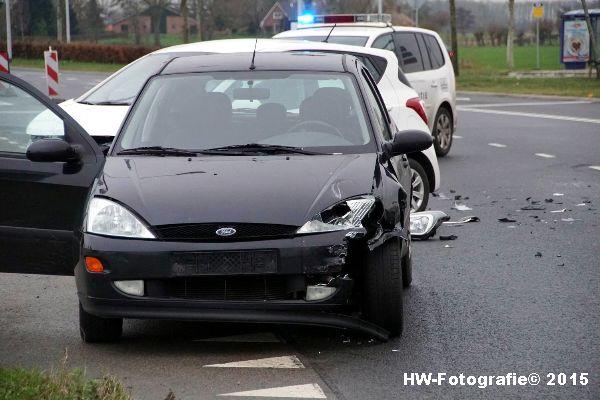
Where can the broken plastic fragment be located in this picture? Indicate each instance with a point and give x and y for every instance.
(562, 210)
(548, 200)
(580, 205)
(568, 219)
(448, 237)
(461, 207)
(448, 246)
(533, 208)
(442, 196)
(505, 219)
(538, 254)
(464, 220)
(558, 194)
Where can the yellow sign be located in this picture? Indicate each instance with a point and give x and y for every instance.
(537, 11)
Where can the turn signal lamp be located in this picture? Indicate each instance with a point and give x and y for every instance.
(92, 264)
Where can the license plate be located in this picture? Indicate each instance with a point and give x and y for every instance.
(225, 263)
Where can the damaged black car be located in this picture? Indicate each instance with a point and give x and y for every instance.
(268, 188)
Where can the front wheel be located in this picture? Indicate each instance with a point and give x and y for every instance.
(420, 186)
(95, 329)
(442, 132)
(382, 297)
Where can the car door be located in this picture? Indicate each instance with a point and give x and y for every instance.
(41, 203)
(416, 65)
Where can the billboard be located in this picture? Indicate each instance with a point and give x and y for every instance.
(576, 45)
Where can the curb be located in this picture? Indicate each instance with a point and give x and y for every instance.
(525, 95)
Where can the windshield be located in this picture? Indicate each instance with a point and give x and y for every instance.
(349, 40)
(317, 111)
(122, 88)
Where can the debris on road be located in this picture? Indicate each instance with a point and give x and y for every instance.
(461, 207)
(548, 200)
(464, 220)
(505, 219)
(568, 219)
(558, 194)
(448, 237)
(562, 210)
(448, 246)
(533, 208)
(538, 254)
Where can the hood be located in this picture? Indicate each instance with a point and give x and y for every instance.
(96, 120)
(285, 190)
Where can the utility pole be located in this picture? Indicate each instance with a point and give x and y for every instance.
(380, 7)
(593, 55)
(8, 30)
(67, 21)
(510, 36)
(453, 36)
(59, 19)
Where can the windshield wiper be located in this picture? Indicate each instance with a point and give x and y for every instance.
(118, 102)
(265, 148)
(158, 151)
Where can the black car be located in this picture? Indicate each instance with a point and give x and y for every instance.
(253, 188)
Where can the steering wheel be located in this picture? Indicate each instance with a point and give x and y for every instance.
(319, 124)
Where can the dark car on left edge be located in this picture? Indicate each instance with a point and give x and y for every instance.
(244, 188)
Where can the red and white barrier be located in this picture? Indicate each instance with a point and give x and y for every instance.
(51, 60)
(4, 64)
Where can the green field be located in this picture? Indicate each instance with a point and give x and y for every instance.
(485, 69)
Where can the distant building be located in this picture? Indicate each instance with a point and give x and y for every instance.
(279, 17)
(170, 23)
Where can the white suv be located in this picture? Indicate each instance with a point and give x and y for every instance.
(422, 56)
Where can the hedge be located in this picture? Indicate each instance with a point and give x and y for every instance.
(87, 52)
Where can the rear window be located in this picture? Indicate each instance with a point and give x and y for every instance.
(126, 84)
(349, 40)
(435, 53)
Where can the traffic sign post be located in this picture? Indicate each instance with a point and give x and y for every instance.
(51, 60)
(537, 13)
(8, 30)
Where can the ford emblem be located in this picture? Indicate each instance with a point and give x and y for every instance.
(226, 231)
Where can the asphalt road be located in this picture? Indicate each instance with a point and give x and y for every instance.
(504, 297)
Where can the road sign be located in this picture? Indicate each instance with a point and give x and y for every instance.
(537, 11)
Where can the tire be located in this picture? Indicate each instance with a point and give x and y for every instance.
(419, 197)
(443, 132)
(382, 295)
(94, 329)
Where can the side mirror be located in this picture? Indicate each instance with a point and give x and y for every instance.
(52, 150)
(405, 142)
(424, 224)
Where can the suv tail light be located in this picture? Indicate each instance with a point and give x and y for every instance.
(417, 104)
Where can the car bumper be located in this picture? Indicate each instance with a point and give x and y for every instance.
(300, 261)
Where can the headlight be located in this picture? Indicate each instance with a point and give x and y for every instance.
(345, 215)
(106, 217)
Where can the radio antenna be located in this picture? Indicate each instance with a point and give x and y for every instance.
(252, 67)
(329, 34)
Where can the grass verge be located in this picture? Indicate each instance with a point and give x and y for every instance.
(484, 69)
(58, 384)
(66, 65)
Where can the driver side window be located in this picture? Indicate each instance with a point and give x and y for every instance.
(24, 119)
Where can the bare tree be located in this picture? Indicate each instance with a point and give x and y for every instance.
(132, 9)
(593, 49)
(510, 37)
(453, 36)
(157, 9)
(183, 8)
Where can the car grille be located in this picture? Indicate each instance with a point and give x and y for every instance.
(240, 288)
(207, 232)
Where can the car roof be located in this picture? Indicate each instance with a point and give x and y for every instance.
(349, 29)
(330, 62)
(225, 46)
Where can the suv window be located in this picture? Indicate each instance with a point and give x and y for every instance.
(435, 53)
(424, 52)
(408, 52)
(385, 42)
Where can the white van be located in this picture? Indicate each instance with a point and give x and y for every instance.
(421, 54)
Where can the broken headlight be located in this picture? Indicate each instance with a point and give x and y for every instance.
(345, 215)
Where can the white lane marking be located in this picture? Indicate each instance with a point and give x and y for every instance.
(260, 337)
(463, 99)
(532, 115)
(544, 155)
(308, 391)
(596, 167)
(496, 145)
(536, 103)
(72, 79)
(287, 362)
(457, 137)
